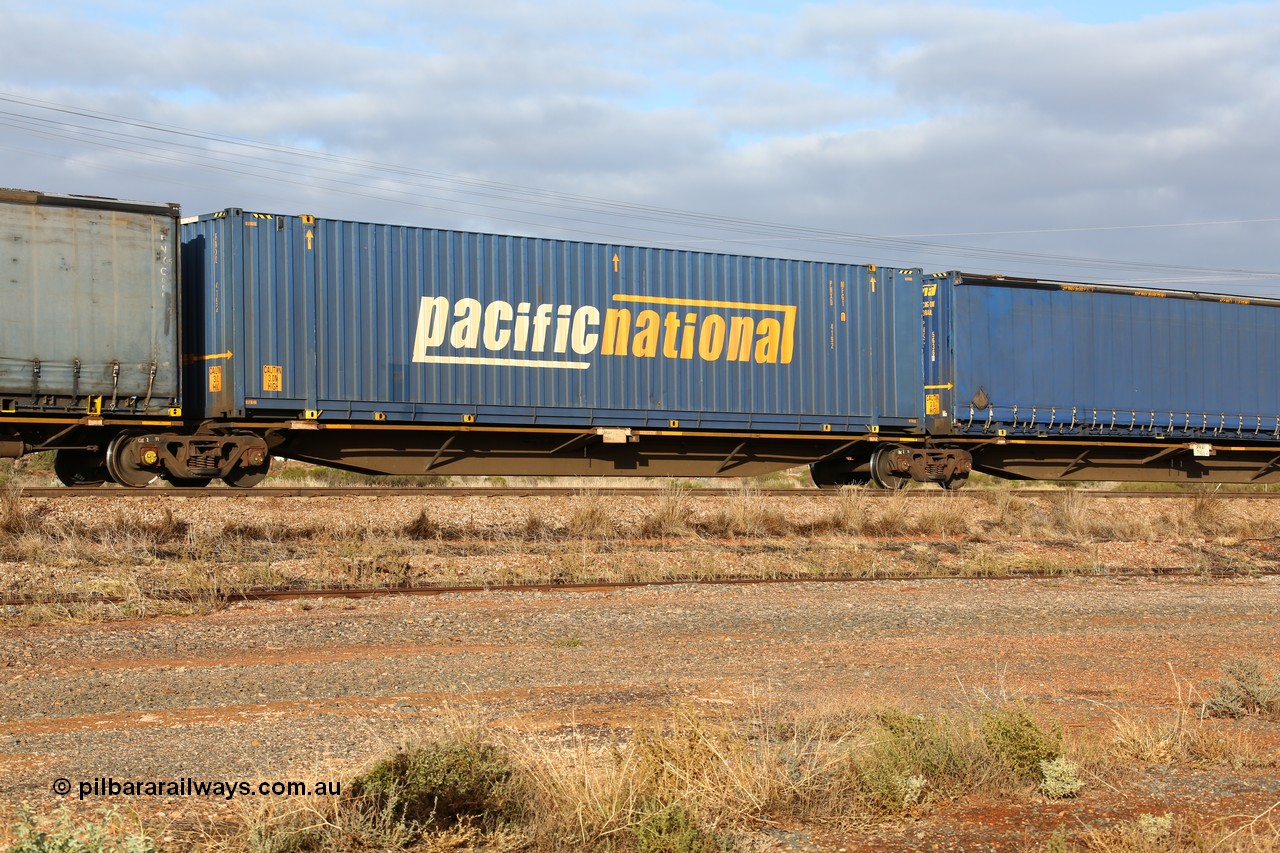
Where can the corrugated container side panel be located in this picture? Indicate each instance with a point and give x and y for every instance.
(210, 298)
(896, 344)
(341, 312)
(1150, 360)
(96, 286)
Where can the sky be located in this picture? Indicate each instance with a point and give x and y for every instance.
(1099, 141)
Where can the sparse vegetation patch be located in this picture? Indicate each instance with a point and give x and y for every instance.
(1249, 687)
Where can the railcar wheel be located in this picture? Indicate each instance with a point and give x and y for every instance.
(247, 476)
(124, 464)
(955, 483)
(80, 467)
(882, 475)
(187, 482)
(828, 476)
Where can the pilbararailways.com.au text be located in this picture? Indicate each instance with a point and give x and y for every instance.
(187, 787)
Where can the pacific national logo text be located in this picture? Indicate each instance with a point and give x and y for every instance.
(557, 336)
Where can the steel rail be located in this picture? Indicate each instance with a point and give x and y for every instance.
(294, 593)
(611, 491)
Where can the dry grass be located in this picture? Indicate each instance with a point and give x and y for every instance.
(1183, 737)
(747, 513)
(1173, 833)
(698, 782)
(1073, 514)
(1179, 739)
(590, 516)
(56, 549)
(858, 514)
(1206, 514)
(707, 781)
(672, 516)
(16, 517)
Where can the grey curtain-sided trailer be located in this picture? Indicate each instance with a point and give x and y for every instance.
(90, 305)
(89, 323)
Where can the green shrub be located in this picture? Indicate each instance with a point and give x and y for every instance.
(1019, 742)
(672, 830)
(62, 834)
(910, 757)
(1060, 778)
(440, 783)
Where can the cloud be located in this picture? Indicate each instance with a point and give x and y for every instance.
(858, 118)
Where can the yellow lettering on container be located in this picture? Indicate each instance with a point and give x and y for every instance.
(648, 328)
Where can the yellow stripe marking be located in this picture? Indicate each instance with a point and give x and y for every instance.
(192, 359)
(703, 303)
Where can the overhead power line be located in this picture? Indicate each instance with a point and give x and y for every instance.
(513, 203)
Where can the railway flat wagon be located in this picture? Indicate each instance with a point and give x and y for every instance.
(1058, 380)
(394, 349)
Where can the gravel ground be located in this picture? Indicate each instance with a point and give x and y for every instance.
(315, 690)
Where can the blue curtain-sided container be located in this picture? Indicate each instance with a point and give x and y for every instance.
(1051, 358)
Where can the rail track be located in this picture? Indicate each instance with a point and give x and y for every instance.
(225, 597)
(561, 491)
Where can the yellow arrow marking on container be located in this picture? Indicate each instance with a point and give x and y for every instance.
(616, 259)
(310, 239)
(192, 359)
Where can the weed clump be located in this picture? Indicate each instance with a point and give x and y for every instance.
(591, 516)
(1060, 778)
(671, 829)
(910, 757)
(1249, 687)
(439, 784)
(16, 519)
(423, 527)
(748, 513)
(671, 517)
(62, 833)
(1020, 743)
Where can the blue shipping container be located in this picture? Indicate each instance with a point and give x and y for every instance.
(358, 322)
